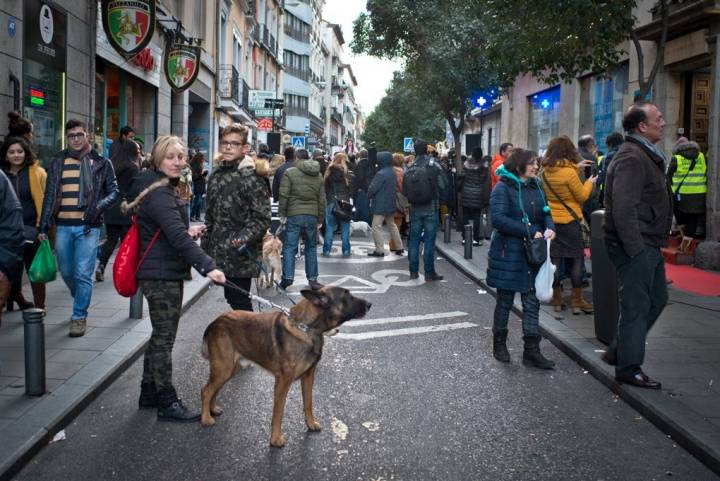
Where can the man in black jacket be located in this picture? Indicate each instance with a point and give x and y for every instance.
(364, 173)
(638, 219)
(80, 186)
(12, 238)
(289, 154)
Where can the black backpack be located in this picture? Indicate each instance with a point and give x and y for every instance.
(420, 185)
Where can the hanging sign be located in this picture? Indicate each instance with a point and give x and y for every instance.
(182, 65)
(129, 24)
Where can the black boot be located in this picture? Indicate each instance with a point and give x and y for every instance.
(100, 272)
(500, 351)
(532, 355)
(148, 396)
(170, 408)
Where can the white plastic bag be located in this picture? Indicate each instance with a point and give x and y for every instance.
(544, 279)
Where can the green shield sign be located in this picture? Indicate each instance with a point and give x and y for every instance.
(182, 65)
(129, 24)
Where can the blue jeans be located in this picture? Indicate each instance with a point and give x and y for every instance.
(196, 206)
(330, 222)
(531, 311)
(422, 227)
(76, 253)
(295, 227)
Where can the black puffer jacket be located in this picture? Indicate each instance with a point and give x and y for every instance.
(158, 207)
(474, 184)
(125, 173)
(12, 233)
(335, 185)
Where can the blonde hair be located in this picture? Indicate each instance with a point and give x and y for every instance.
(398, 160)
(161, 146)
(339, 160)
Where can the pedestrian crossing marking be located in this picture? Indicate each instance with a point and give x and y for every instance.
(390, 320)
(361, 336)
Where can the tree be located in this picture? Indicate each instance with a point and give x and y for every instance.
(401, 113)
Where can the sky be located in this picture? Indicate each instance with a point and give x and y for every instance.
(373, 75)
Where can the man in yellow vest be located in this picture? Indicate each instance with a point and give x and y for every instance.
(688, 177)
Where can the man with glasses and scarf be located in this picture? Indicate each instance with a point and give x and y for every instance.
(80, 186)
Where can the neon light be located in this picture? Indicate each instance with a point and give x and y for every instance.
(37, 101)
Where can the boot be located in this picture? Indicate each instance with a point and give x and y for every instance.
(16, 296)
(5, 288)
(579, 304)
(557, 300)
(170, 408)
(500, 351)
(100, 272)
(532, 355)
(38, 291)
(148, 396)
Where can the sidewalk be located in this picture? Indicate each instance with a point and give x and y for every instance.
(77, 369)
(683, 352)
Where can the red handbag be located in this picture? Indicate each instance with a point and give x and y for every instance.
(128, 260)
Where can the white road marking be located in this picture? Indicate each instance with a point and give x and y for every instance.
(361, 336)
(419, 317)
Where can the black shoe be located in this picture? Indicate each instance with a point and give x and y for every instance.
(148, 396)
(532, 355)
(177, 413)
(399, 252)
(315, 285)
(285, 283)
(639, 379)
(414, 275)
(609, 358)
(433, 277)
(376, 254)
(500, 350)
(100, 273)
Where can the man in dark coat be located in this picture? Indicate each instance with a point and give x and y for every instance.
(381, 193)
(12, 238)
(638, 219)
(289, 154)
(364, 173)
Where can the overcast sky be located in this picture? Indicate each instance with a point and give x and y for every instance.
(373, 75)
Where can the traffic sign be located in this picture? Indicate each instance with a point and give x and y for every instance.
(408, 144)
(298, 142)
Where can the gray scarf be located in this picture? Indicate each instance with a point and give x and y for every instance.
(649, 146)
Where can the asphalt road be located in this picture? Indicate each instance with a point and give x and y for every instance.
(412, 399)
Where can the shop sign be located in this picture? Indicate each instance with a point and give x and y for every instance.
(129, 24)
(145, 60)
(182, 65)
(256, 99)
(265, 124)
(45, 34)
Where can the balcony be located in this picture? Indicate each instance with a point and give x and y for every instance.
(302, 74)
(317, 122)
(296, 112)
(296, 34)
(233, 92)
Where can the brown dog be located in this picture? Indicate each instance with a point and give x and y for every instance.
(271, 260)
(288, 347)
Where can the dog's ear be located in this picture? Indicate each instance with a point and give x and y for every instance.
(318, 298)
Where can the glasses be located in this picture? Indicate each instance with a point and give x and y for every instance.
(76, 136)
(235, 145)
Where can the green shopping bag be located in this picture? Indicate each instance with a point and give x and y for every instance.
(43, 267)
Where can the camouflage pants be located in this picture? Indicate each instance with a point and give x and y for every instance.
(164, 302)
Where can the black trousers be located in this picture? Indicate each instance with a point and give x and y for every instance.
(474, 215)
(115, 233)
(237, 300)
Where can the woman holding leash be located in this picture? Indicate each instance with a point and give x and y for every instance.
(168, 244)
(337, 186)
(518, 211)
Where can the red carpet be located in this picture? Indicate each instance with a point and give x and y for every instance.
(693, 280)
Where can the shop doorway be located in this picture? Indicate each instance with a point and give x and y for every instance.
(696, 112)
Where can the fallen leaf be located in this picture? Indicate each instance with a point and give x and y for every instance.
(340, 430)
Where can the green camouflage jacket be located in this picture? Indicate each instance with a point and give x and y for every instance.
(237, 207)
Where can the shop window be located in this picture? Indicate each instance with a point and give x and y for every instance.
(601, 104)
(543, 118)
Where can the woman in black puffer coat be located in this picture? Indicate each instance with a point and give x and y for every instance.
(474, 187)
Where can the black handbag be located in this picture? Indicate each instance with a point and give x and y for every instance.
(536, 250)
(342, 209)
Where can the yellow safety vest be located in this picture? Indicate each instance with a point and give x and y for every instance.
(695, 180)
(600, 160)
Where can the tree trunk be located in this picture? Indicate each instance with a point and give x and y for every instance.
(457, 131)
(646, 85)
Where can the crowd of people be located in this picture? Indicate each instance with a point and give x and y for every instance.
(511, 199)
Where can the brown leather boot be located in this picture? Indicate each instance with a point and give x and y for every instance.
(579, 304)
(38, 291)
(5, 288)
(557, 300)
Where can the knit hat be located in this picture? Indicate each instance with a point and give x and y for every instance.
(681, 140)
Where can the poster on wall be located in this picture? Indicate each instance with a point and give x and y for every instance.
(181, 65)
(129, 24)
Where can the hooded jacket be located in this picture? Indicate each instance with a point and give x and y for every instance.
(688, 203)
(474, 184)
(302, 191)
(12, 233)
(383, 187)
(238, 208)
(508, 267)
(335, 185)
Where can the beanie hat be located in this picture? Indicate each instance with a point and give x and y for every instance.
(681, 140)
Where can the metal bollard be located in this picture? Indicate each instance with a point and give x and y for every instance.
(447, 235)
(468, 241)
(34, 352)
(136, 305)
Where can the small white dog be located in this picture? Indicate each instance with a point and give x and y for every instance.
(359, 226)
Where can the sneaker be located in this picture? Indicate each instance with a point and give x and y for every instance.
(77, 327)
(285, 283)
(433, 277)
(315, 285)
(177, 413)
(100, 273)
(463, 242)
(376, 254)
(477, 243)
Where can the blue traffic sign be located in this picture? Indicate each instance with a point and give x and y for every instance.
(298, 142)
(408, 144)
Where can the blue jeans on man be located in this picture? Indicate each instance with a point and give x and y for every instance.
(330, 222)
(76, 248)
(297, 226)
(423, 226)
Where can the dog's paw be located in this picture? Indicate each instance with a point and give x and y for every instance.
(277, 441)
(313, 425)
(216, 410)
(209, 421)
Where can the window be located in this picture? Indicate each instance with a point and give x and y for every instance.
(544, 118)
(296, 28)
(296, 105)
(297, 65)
(601, 104)
(237, 51)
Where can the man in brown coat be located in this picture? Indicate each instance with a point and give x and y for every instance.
(638, 219)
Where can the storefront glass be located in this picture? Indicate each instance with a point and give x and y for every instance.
(44, 106)
(601, 104)
(544, 118)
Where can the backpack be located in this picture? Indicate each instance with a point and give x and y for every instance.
(420, 185)
(128, 260)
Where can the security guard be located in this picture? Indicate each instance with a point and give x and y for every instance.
(688, 175)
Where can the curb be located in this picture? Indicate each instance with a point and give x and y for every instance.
(138, 341)
(641, 402)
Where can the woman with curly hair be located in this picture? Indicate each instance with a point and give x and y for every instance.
(337, 186)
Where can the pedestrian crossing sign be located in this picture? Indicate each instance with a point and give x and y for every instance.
(298, 142)
(408, 144)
